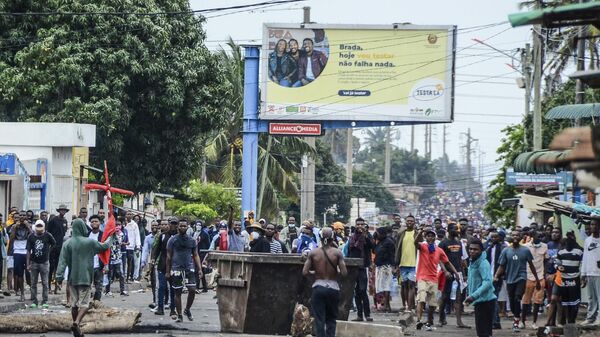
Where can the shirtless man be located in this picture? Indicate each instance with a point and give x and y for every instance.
(325, 263)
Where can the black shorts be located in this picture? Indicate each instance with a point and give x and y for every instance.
(179, 278)
(570, 292)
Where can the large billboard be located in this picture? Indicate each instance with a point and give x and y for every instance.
(400, 73)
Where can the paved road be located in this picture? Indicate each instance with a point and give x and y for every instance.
(206, 320)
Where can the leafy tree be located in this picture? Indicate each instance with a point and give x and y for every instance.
(334, 193)
(214, 196)
(367, 185)
(200, 211)
(147, 82)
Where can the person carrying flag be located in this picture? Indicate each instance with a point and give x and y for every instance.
(78, 254)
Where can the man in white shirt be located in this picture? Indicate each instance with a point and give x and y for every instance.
(133, 247)
(590, 272)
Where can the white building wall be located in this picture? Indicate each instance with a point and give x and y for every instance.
(63, 185)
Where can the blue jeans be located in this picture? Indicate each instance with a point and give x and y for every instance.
(324, 302)
(162, 287)
(285, 83)
(496, 317)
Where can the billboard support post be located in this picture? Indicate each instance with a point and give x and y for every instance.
(251, 130)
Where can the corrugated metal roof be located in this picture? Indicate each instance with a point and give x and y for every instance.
(574, 111)
(526, 162)
(568, 15)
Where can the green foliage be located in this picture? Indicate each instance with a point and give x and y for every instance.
(199, 211)
(175, 204)
(215, 196)
(367, 185)
(336, 194)
(513, 145)
(147, 82)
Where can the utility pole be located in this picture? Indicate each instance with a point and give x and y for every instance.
(538, 58)
(526, 70)
(412, 138)
(388, 152)
(307, 200)
(430, 134)
(349, 156)
(444, 159)
(426, 140)
(468, 152)
(579, 86)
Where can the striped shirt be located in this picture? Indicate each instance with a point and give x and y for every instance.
(571, 261)
(276, 247)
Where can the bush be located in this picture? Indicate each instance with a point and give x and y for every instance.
(200, 211)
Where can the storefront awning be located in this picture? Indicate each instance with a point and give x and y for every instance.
(532, 162)
(568, 15)
(574, 111)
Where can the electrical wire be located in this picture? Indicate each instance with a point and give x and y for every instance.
(198, 11)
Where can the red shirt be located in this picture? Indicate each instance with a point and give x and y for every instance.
(428, 262)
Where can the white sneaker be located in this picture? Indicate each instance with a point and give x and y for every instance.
(136, 281)
(534, 326)
(521, 325)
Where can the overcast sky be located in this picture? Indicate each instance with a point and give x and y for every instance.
(486, 106)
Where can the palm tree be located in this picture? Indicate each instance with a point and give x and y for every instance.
(276, 163)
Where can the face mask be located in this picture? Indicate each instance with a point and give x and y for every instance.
(537, 242)
(431, 247)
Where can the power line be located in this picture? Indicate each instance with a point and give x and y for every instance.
(198, 11)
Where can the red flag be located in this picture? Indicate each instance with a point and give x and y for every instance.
(109, 229)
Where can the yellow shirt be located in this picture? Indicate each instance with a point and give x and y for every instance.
(409, 252)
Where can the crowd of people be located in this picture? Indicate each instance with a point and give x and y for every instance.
(445, 204)
(438, 267)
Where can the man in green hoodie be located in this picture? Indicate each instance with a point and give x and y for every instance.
(481, 289)
(78, 254)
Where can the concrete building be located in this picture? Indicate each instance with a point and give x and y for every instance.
(50, 155)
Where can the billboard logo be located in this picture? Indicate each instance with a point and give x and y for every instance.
(432, 38)
(428, 92)
(295, 129)
(430, 111)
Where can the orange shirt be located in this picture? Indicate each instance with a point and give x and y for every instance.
(428, 263)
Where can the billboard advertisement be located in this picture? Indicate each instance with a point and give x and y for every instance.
(400, 73)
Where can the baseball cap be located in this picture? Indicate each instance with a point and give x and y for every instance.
(40, 223)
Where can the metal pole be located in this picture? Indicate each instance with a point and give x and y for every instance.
(412, 138)
(579, 86)
(388, 153)
(250, 130)
(537, 83)
(263, 177)
(307, 198)
(349, 156)
(526, 68)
